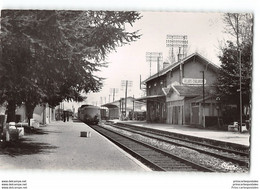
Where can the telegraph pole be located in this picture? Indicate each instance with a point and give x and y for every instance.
(179, 41)
(126, 84)
(114, 94)
(203, 87)
(126, 95)
(240, 74)
(203, 99)
(113, 91)
(240, 90)
(133, 116)
(154, 57)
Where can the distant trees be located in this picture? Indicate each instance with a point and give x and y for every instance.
(49, 56)
(240, 26)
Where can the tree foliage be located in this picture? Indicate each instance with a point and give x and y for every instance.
(49, 56)
(240, 26)
(228, 77)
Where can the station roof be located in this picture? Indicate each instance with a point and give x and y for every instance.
(200, 99)
(192, 91)
(176, 64)
(186, 91)
(153, 97)
(116, 104)
(110, 105)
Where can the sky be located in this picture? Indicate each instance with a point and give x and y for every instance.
(205, 31)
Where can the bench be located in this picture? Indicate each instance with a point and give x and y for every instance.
(235, 125)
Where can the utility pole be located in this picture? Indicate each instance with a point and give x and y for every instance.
(126, 84)
(133, 107)
(240, 73)
(120, 112)
(203, 99)
(133, 103)
(179, 41)
(240, 90)
(114, 94)
(113, 91)
(126, 95)
(158, 65)
(140, 82)
(154, 57)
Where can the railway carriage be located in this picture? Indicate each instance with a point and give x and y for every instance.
(89, 114)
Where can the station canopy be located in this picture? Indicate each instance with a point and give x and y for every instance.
(152, 98)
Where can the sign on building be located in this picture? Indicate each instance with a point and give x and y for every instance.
(192, 81)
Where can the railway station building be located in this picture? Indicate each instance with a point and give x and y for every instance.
(183, 93)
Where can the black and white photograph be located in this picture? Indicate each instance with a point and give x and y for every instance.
(129, 95)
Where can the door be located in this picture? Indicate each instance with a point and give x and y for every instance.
(195, 114)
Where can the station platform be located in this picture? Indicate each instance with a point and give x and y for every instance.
(224, 136)
(60, 146)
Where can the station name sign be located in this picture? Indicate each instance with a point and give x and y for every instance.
(192, 81)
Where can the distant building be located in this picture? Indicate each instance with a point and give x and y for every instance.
(116, 109)
(42, 113)
(175, 94)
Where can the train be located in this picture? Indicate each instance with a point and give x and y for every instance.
(89, 114)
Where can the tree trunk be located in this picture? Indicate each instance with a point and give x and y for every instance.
(29, 111)
(11, 107)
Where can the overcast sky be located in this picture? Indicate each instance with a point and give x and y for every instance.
(203, 28)
(204, 31)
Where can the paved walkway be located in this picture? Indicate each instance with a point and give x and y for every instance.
(59, 146)
(226, 136)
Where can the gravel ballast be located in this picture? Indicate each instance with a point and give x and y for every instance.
(192, 155)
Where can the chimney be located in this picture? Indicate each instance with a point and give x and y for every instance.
(165, 64)
(180, 56)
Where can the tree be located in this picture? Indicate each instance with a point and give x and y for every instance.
(236, 57)
(53, 55)
(240, 27)
(228, 77)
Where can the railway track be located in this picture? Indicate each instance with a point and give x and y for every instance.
(235, 156)
(155, 158)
